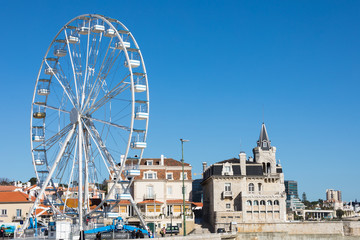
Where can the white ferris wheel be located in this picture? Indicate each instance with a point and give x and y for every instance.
(89, 117)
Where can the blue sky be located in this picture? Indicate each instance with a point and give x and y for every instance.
(213, 67)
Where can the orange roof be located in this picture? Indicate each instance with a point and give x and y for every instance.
(31, 187)
(198, 204)
(13, 197)
(121, 202)
(176, 201)
(150, 201)
(9, 188)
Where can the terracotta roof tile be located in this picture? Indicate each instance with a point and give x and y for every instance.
(172, 201)
(9, 188)
(150, 201)
(14, 197)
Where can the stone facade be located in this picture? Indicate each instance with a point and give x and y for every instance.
(245, 190)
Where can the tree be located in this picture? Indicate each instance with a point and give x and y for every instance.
(33, 180)
(339, 213)
(5, 181)
(304, 198)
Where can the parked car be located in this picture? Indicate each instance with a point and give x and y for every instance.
(172, 230)
(9, 230)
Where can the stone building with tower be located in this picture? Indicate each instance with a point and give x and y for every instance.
(245, 189)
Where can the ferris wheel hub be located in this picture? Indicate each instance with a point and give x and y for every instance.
(74, 115)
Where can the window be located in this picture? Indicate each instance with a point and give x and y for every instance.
(169, 190)
(268, 202)
(169, 210)
(149, 192)
(259, 187)
(248, 202)
(227, 169)
(264, 144)
(3, 211)
(256, 203)
(262, 202)
(149, 162)
(251, 187)
(228, 205)
(169, 176)
(18, 212)
(150, 175)
(185, 176)
(276, 202)
(227, 187)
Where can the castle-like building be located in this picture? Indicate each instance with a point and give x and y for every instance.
(245, 190)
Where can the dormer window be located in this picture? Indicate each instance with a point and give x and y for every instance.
(264, 144)
(169, 176)
(149, 162)
(150, 175)
(227, 169)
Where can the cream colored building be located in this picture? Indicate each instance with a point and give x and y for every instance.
(14, 206)
(157, 192)
(245, 190)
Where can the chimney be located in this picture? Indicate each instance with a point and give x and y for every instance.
(162, 160)
(204, 166)
(242, 157)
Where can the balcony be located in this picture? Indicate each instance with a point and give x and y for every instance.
(149, 196)
(17, 218)
(227, 194)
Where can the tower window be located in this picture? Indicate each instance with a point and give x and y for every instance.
(251, 187)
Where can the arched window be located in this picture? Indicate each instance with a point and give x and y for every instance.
(251, 187)
(268, 168)
(256, 203)
(262, 202)
(248, 202)
(276, 202)
(269, 202)
(259, 187)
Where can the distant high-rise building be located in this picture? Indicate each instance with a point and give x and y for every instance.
(333, 195)
(333, 199)
(293, 203)
(291, 189)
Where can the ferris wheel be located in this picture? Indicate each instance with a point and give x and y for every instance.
(89, 117)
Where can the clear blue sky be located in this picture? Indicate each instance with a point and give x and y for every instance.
(213, 66)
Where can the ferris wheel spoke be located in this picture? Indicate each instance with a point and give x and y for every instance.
(108, 123)
(119, 88)
(98, 79)
(65, 89)
(86, 66)
(73, 68)
(56, 109)
(51, 172)
(53, 139)
(104, 153)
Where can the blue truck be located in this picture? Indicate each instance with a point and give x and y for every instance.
(118, 225)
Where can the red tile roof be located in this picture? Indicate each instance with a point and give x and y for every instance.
(9, 188)
(198, 204)
(174, 201)
(12, 197)
(121, 202)
(150, 201)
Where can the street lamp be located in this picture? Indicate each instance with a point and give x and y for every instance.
(183, 181)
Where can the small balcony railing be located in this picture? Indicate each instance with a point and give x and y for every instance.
(149, 196)
(227, 194)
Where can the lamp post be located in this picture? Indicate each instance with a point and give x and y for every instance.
(183, 181)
